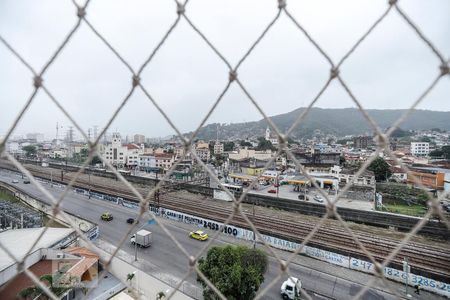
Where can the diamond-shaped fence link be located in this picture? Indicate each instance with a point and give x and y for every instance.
(181, 12)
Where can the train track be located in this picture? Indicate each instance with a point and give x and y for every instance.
(423, 258)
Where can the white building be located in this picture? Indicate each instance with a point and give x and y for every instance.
(147, 162)
(420, 148)
(115, 153)
(133, 152)
(274, 141)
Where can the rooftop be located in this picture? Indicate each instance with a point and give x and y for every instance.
(19, 241)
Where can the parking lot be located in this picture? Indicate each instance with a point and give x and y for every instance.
(312, 195)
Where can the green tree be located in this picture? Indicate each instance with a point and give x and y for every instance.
(30, 150)
(228, 146)
(95, 160)
(264, 144)
(245, 144)
(399, 133)
(236, 271)
(446, 151)
(437, 153)
(381, 169)
(53, 283)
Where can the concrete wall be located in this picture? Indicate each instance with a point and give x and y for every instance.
(82, 224)
(146, 285)
(11, 271)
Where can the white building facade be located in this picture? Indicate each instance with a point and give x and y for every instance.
(420, 148)
(115, 153)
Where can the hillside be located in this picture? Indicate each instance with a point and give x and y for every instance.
(340, 122)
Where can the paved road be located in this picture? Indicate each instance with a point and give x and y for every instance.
(168, 262)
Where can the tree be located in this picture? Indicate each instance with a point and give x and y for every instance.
(236, 271)
(437, 153)
(381, 169)
(446, 151)
(245, 144)
(399, 133)
(53, 283)
(95, 160)
(30, 150)
(228, 146)
(264, 145)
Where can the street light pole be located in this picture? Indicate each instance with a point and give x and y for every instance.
(254, 234)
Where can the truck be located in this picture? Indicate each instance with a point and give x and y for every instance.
(290, 289)
(142, 238)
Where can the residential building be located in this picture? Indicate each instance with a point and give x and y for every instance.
(147, 162)
(398, 175)
(250, 153)
(133, 152)
(164, 161)
(218, 148)
(420, 148)
(203, 153)
(139, 139)
(362, 142)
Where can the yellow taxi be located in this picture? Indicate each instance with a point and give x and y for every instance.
(198, 235)
(106, 216)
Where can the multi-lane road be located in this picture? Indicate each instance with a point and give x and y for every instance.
(167, 262)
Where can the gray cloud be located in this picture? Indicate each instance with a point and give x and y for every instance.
(389, 70)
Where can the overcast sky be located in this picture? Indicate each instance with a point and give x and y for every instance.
(389, 70)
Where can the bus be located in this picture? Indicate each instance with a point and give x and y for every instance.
(233, 188)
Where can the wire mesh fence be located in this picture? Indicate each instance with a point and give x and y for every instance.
(281, 10)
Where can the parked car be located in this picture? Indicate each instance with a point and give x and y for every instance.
(26, 181)
(303, 197)
(276, 185)
(198, 235)
(131, 221)
(318, 198)
(272, 191)
(15, 181)
(106, 216)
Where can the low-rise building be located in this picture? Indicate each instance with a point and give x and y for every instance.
(164, 161)
(430, 177)
(147, 162)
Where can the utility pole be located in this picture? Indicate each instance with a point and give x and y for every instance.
(254, 233)
(407, 270)
(89, 174)
(135, 247)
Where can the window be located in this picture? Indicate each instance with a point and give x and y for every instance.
(289, 288)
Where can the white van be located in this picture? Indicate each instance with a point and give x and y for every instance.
(290, 289)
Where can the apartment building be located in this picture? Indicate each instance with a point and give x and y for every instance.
(420, 148)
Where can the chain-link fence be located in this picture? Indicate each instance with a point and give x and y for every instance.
(182, 12)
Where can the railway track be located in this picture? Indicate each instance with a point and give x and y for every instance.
(423, 258)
